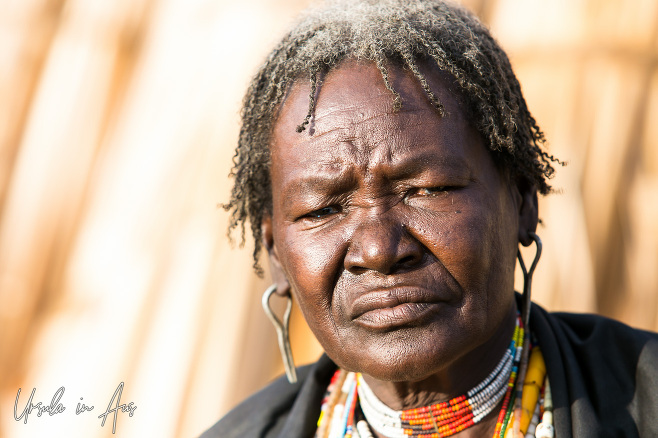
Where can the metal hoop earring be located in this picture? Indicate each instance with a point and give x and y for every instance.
(281, 332)
(527, 279)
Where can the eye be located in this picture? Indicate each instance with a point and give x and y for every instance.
(429, 191)
(322, 213)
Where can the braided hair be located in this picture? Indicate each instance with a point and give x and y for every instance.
(386, 32)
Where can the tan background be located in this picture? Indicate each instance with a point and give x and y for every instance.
(117, 123)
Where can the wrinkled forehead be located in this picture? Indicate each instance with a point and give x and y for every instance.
(353, 86)
(353, 104)
(355, 120)
(356, 126)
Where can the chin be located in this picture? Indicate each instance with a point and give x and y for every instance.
(402, 359)
(414, 372)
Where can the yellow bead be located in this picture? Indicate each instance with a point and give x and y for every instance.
(532, 386)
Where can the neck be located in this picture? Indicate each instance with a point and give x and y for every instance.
(454, 380)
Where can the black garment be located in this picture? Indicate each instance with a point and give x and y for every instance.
(603, 374)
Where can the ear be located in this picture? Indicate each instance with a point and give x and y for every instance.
(528, 211)
(276, 270)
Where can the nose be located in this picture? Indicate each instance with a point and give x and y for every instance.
(382, 243)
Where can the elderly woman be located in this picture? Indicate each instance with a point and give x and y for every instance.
(389, 166)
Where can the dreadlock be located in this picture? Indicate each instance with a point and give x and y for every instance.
(398, 32)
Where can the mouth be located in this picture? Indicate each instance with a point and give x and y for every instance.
(389, 308)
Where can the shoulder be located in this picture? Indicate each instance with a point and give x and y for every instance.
(598, 332)
(604, 374)
(266, 413)
(598, 345)
(261, 412)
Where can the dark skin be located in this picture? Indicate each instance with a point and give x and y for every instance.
(397, 235)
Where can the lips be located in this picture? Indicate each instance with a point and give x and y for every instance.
(394, 307)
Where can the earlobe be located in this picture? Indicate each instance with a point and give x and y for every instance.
(528, 212)
(276, 269)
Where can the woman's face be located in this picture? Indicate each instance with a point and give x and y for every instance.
(396, 231)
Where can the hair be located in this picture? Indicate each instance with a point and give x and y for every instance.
(386, 32)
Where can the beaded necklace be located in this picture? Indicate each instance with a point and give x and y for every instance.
(350, 408)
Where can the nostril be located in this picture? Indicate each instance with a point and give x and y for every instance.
(357, 270)
(408, 261)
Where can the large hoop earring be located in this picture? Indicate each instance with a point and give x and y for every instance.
(282, 332)
(527, 279)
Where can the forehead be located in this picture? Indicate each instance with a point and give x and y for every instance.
(354, 111)
(351, 79)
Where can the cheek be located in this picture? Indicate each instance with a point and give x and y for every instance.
(312, 260)
(473, 243)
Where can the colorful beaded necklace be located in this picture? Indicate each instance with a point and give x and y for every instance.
(350, 408)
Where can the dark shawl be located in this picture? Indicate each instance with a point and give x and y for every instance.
(604, 380)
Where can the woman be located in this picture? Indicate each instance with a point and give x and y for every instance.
(388, 164)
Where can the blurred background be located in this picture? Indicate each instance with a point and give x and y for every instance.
(118, 120)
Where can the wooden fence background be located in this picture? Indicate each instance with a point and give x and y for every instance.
(118, 120)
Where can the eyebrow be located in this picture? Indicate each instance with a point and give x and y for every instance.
(320, 182)
(418, 164)
(336, 179)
